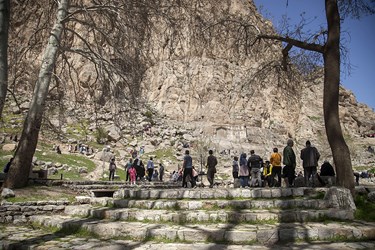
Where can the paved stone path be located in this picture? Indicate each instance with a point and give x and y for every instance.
(23, 237)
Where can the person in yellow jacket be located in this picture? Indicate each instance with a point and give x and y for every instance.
(267, 174)
(275, 161)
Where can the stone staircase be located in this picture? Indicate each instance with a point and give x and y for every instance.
(220, 215)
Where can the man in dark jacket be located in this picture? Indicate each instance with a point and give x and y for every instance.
(211, 168)
(310, 157)
(289, 161)
(255, 163)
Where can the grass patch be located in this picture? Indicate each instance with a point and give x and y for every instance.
(42, 193)
(365, 209)
(318, 196)
(315, 118)
(74, 161)
(165, 153)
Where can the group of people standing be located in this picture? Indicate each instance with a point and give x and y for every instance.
(135, 170)
(249, 170)
(252, 171)
(189, 173)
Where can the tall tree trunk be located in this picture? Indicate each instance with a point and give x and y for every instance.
(4, 27)
(340, 151)
(20, 169)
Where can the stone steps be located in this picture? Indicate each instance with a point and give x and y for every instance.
(221, 232)
(258, 216)
(219, 204)
(24, 237)
(220, 193)
(219, 215)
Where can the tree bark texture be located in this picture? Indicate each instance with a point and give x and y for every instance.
(4, 27)
(340, 150)
(18, 174)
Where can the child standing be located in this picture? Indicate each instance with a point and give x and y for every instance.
(133, 174)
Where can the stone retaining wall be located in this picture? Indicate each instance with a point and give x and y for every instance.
(19, 212)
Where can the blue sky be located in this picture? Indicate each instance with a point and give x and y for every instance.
(359, 34)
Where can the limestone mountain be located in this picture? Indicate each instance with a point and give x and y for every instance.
(197, 67)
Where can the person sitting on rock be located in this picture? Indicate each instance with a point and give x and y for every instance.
(326, 170)
(7, 166)
(155, 175)
(267, 174)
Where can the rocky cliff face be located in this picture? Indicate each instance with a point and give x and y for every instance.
(243, 101)
(207, 81)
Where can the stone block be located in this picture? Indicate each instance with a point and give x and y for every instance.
(240, 236)
(276, 192)
(298, 191)
(337, 197)
(266, 193)
(143, 194)
(221, 193)
(83, 199)
(286, 192)
(246, 193)
(268, 236)
(121, 203)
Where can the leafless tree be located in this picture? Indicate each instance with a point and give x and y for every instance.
(19, 174)
(4, 26)
(327, 43)
(108, 34)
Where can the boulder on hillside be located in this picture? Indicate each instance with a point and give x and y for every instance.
(371, 196)
(133, 143)
(113, 133)
(104, 156)
(149, 148)
(25, 105)
(188, 137)
(52, 171)
(82, 170)
(339, 197)
(9, 147)
(7, 193)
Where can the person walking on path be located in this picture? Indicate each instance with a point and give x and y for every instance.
(275, 161)
(310, 157)
(112, 169)
(255, 163)
(211, 168)
(289, 161)
(150, 169)
(187, 167)
(161, 172)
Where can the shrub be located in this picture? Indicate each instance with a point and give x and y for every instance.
(101, 135)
